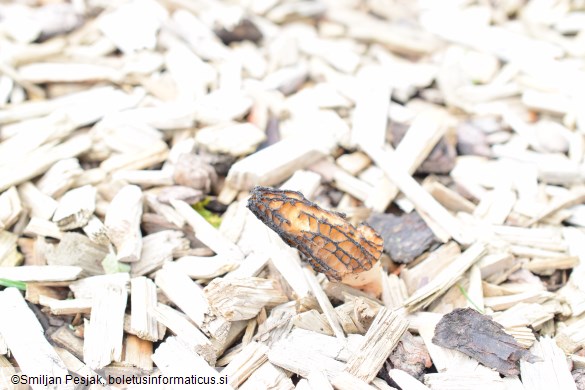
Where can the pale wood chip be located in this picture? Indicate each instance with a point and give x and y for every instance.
(268, 376)
(550, 373)
(87, 287)
(36, 273)
(40, 205)
(185, 330)
(9, 255)
(313, 321)
(38, 161)
(75, 208)
(446, 278)
(250, 359)
(239, 299)
(207, 233)
(43, 228)
(137, 353)
(175, 359)
(123, 223)
(275, 163)
(379, 342)
(157, 249)
(103, 333)
(67, 306)
(298, 359)
(198, 267)
(189, 297)
(426, 205)
(24, 336)
(142, 299)
(325, 304)
(346, 381)
(10, 208)
(236, 139)
(405, 380)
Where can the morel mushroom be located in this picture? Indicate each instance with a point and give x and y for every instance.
(332, 245)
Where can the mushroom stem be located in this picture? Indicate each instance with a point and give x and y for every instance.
(369, 281)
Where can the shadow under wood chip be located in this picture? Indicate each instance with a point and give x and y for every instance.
(483, 339)
(405, 237)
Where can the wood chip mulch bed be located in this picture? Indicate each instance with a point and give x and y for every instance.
(279, 194)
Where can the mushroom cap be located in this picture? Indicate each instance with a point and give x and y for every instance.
(332, 245)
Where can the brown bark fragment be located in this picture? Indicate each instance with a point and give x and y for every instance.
(405, 237)
(245, 30)
(481, 338)
(410, 356)
(192, 171)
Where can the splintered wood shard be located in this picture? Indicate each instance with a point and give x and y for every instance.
(189, 297)
(481, 338)
(104, 332)
(185, 330)
(379, 342)
(123, 223)
(239, 299)
(550, 372)
(332, 245)
(24, 336)
(75, 208)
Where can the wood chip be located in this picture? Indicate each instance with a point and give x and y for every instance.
(207, 233)
(34, 273)
(410, 357)
(123, 223)
(75, 208)
(185, 330)
(41, 205)
(425, 203)
(551, 371)
(103, 333)
(326, 306)
(379, 342)
(175, 359)
(251, 358)
(38, 161)
(242, 299)
(157, 249)
(143, 299)
(11, 208)
(273, 164)
(9, 255)
(302, 362)
(75, 249)
(189, 297)
(467, 157)
(446, 278)
(268, 375)
(231, 138)
(35, 356)
(67, 306)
